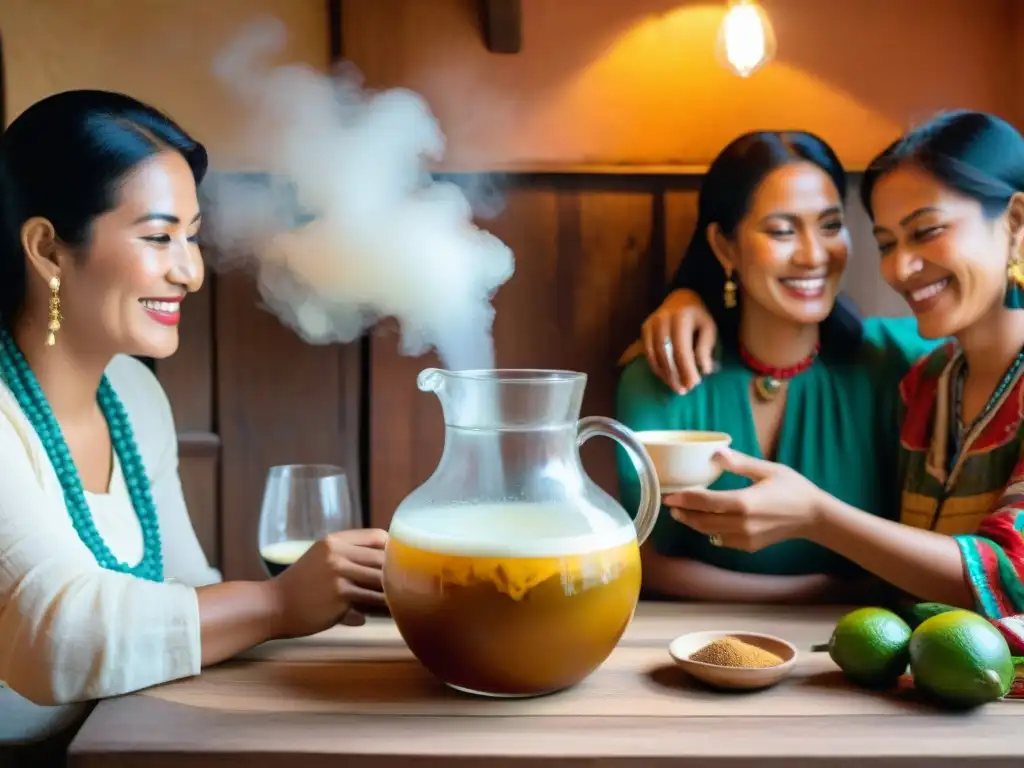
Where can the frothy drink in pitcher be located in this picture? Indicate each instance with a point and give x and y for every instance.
(511, 599)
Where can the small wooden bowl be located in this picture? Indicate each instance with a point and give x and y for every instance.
(733, 678)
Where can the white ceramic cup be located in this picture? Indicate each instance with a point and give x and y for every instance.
(683, 458)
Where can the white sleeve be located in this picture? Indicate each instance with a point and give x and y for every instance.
(70, 630)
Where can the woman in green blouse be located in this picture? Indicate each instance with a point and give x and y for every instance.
(800, 378)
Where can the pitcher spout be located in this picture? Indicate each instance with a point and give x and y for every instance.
(506, 398)
(430, 380)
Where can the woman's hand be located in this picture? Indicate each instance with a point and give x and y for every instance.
(338, 572)
(669, 343)
(780, 505)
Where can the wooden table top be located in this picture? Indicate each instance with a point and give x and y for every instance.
(355, 696)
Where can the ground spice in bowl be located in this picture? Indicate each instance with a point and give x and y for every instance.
(732, 652)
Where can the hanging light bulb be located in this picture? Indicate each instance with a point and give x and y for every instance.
(746, 40)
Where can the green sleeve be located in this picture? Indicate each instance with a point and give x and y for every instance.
(644, 402)
(893, 345)
(898, 342)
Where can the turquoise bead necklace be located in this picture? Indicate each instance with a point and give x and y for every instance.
(16, 373)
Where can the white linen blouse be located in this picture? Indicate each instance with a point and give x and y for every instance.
(71, 631)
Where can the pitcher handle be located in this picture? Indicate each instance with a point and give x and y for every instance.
(650, 488)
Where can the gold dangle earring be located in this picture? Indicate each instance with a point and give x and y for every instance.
(54, 324)
(1014, 296)
(730, 290)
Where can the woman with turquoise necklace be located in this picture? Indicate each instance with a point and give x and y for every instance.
(947, 202)
(103, 586)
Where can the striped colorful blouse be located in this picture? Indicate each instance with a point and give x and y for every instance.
(976, 494)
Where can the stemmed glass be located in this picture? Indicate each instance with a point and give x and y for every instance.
(302, 503)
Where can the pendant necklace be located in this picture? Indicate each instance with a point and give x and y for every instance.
(769, 380)
(959, 434)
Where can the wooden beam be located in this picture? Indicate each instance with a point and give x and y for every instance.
(334, 21)
(501, 23)
(355, 357)
(3, 90)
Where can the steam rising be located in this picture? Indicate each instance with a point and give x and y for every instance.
(352, 228)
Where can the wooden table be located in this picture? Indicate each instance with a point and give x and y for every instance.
(355, 697)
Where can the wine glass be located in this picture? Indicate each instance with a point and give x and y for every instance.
(302, 503)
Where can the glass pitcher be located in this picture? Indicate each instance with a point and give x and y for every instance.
(509, 572)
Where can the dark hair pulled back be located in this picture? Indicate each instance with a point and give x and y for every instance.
(975, 154)
(63, 159)
(726, 194)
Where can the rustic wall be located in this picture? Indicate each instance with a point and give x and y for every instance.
(607, 81)
(599, 83)
(160, 51)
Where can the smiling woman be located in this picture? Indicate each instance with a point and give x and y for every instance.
(799, 372)
(104, 588)
(947, 201)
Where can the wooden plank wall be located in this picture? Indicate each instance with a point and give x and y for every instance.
(593, 254)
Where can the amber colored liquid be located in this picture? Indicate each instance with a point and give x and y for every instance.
(511, 626)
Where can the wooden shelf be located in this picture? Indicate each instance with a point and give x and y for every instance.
(198, 444)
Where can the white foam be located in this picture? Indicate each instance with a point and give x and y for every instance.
(285, 552)
(511, 529)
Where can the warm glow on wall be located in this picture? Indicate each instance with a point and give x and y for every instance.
(746, 41)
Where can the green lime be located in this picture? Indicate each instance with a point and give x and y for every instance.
(960, 659)
(870, 646)
(916, 613)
